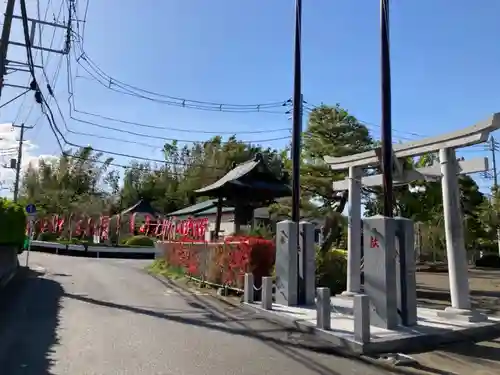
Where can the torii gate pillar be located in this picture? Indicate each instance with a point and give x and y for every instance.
(455, 245)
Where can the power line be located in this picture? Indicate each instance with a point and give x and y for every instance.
(185, 173)
(138, 134)
(41, 28)
(122, 87)
(184, 103)
(31, 65)
(13, 99)
(148, 136)
(56, 131)
(311, 108)
(87, 3)
(158, 127)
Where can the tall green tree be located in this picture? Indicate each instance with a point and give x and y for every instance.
(331, 131)
(77, 181)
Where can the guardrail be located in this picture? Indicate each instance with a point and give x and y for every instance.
(92, 249)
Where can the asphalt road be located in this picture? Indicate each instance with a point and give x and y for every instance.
(84, 316)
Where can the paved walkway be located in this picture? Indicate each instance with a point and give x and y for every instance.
(82, 316)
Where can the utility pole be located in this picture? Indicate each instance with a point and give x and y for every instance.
(23, 66)
(297, 115)
(4, 43)
(18, 162)
(296, 140)
(387, 162)
(493, 149)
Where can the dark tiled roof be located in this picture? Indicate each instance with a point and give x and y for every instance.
(233, 175)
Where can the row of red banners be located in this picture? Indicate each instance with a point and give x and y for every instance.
(171, 228)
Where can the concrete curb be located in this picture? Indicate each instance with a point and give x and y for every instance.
(406, 345)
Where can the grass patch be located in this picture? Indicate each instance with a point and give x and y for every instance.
(161, 268)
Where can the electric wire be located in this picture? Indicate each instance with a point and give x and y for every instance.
(122, 87)
(310, 108)
(73, 110)
(134, 133)
(47, 111)
(84, 21)
(141, 167)
(13, 99)
(184, 102)
(157, 127)
(31, 65)
(110, 128)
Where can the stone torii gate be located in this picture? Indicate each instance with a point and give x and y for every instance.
(447, 169)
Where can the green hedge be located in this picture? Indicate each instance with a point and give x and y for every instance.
(12, 223)
(141, 241)
(47, 236)
(331, 270)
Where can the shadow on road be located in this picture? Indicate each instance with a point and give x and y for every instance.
(287, 341)
(29, 311)
(485, 355)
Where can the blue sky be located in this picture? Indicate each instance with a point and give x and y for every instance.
(444, 66)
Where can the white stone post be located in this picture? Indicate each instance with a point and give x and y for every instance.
(323, 308)
(362, 318)
(453, 222)
(354, 233)
(267, 293)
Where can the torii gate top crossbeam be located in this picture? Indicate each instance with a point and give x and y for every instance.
(471, 135)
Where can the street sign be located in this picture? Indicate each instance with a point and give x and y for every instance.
(30, 209)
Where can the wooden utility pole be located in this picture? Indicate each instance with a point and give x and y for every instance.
(4, 43)
(19, 160)
(298, 102)
(385, 62)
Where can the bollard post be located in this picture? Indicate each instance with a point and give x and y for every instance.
(362, 318)
(267, 293)
(323, 309)
(248, 288)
